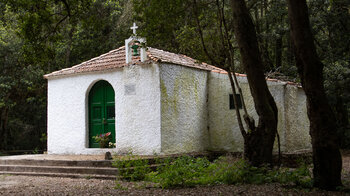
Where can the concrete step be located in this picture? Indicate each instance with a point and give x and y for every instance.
(60, 169)
(68, 166)
(69, 163)
(61, 175)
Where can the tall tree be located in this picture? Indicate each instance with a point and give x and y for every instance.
(323, 130)
(259, 140)
(215, 32)
(38, 37)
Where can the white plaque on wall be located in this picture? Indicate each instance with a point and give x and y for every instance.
(129, 89)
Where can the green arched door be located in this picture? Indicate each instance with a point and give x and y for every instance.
(101, 112)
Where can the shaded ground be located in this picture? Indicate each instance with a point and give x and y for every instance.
(26, 185)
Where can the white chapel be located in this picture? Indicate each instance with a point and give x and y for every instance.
(157, 102)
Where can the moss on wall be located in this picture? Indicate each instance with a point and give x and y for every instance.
(224, 131)
(184, 112)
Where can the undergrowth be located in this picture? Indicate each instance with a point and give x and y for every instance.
(132, 168)
(188, 171)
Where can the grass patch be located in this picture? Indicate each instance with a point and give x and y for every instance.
(120, 186)
(182, 172)
(132, 169)
(188, 171)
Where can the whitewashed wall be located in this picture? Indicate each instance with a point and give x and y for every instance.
(297, 121)
(172, 109)
(184, 109)
(137, 112)
(224, 131)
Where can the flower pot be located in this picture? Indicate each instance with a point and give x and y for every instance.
(103, 144)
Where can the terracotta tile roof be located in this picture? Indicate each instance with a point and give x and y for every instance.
(115, 59)
(221, 71)
(111, 60)
(179, 59)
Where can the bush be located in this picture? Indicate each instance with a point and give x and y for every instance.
(236, 173)
(182, 172)
(300, 176)
(132, 169)
(187, 171)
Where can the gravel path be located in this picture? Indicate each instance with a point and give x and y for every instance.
(25, 185)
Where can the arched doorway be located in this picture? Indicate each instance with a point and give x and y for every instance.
(101, 112)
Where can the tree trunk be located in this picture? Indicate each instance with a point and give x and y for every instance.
(342, 116)
(69, 46)
(3, 128)
(259, 140)
(290, 51)
(278, 51)
(326, 155)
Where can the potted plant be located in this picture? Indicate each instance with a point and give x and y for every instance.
(103, 139)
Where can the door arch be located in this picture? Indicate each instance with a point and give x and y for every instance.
(101, 111)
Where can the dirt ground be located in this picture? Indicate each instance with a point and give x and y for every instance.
(29, 185)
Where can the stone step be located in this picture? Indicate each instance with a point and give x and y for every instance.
(69, 163)
(61, 175)
(59, 169)
(70, 166)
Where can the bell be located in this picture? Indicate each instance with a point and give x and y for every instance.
(135, 51)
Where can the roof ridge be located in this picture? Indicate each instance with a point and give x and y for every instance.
(115, 58)
(165, 56)
(102, 55)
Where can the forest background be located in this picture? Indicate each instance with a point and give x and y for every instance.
(38, 37)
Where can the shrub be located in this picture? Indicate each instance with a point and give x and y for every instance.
(300, 176)
(224, 172)
(187, 171)
(132, 169)
(184, 171)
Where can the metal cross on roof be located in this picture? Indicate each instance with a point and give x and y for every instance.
(134, 27)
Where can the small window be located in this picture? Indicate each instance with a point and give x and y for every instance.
(110, 112)
(232, 103)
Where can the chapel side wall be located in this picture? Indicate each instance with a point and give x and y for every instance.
(137, 109)
(184, 109)
(139, 116)
(297, 121)
(224, 131)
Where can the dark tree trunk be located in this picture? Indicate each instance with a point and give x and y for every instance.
(69, 45)
(290, 51)
(259, 140)
(326, 155)
(342, 116)
(3, 127)
(278, 52)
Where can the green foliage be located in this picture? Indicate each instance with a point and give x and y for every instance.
(38, 37)
(160, 19)
(240, 172)
(120, 186)
(35, 151)
(184, 171)
(103, 139)
(337, 80)
(300, 176)
(330, 22)
(43, 138)
(132, 168)
(222, 171)
(188, 171)
(171, 25)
